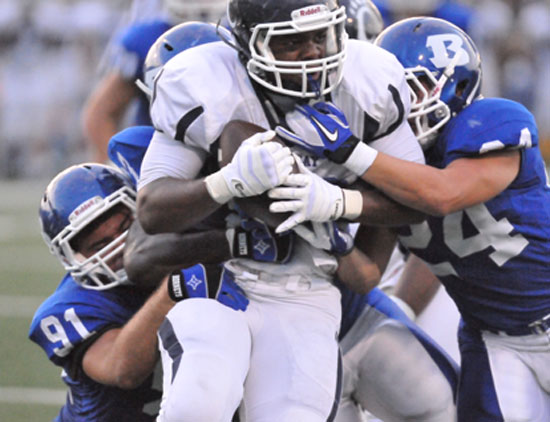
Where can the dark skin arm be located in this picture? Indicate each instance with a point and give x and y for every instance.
(358, 272)
(417, 285)
(173, 205)
(381, 210)
(150, 257)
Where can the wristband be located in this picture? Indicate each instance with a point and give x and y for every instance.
(217, 187)
(238, 241)
(353, 204)
(176, 288)
(361, 159)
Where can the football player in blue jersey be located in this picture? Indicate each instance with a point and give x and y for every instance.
(100, 327)
(487, 235)
(92, 326)
(109, 101)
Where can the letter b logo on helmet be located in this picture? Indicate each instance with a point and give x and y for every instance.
(441, 45)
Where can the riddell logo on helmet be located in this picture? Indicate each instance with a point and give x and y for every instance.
(82, 208)
(310, 11)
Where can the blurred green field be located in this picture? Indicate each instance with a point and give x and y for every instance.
(30, 386)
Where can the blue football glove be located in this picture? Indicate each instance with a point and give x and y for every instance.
(332, 137)
(215, 283)
(230, 294)
(253, 239)
(334, 237)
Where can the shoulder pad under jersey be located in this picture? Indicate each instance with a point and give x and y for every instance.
(127, 148)
(488, 125)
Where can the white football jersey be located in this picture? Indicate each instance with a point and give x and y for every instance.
(202, 89)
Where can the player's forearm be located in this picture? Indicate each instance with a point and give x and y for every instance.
(99, 127)
(417, 285)
(173, 205)
(148, 258)
(133, 354)
(358, 272)
(380, 210)
(377, 243)
(417, 186)
(104, 111)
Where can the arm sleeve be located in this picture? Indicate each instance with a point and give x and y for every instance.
(164, 158)
(74, 361)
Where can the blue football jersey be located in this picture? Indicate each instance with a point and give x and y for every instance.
(493, 258)
(127, 148)
(69, 320)
(128, 56)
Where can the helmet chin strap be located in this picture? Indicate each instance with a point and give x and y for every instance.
(242, 52)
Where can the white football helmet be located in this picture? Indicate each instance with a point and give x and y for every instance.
(254, 23)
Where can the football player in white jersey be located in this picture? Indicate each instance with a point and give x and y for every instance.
(284, 53)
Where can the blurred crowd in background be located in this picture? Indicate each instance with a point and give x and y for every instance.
(53, 52)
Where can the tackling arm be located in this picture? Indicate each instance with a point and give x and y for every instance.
(104, 111)
(358, 272)
(463, 183)
(362, 269)
(125, 357)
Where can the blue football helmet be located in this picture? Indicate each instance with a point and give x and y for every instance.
(364, 21)
(443, 68)
(74, 199)
(174, 41)
(254, 23)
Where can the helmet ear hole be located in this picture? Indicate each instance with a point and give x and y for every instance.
(461, 87)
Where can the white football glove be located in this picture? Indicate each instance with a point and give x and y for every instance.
(258, 165)
(310, 197)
